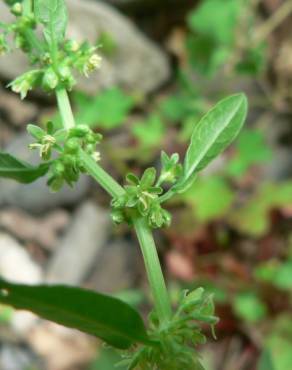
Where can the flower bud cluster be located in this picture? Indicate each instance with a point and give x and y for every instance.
(54, 71)
(177, 340)
(67, 167)
(141, 198)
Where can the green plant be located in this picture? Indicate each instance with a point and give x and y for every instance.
(172, 335)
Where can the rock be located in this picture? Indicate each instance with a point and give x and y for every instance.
(16, 111)
(78, 249)
(62, 348)
(117, 267)
(137, 63)
(36, 197)
(16, 265)
(42, 231)
(15, 358)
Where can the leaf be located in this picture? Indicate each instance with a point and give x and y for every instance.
(266, 361)
(13, 168)
(216, 21)
(103, 316)
(251, 149)
(151, 132)
(249, 307)
(107, 110)
(214, 133)
(53, 15)
(210, 197)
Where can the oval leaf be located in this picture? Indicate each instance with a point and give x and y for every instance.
(13, 168)
(215, 131)
(53, 15)
(100, 315)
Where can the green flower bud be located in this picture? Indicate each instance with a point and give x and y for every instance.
(64, 73)
(71, 46)
(72, 146)
(17, 9)
(79, 131)
(46, 59)
(50, 80)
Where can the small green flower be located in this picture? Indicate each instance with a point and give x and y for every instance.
(24, 83)
(171, 169)
(50, 80)
(141, 198)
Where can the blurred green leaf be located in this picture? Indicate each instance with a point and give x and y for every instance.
(211, 198)
(251, 149)
(107, 110)
(249, 307)
(150, 132)
(253, 217)
(216, 20)
(266, 361)
(106, 317)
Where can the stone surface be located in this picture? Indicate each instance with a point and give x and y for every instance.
(117, 267)
(43, 231)
(36, 197)
(78, 249)
(137, 64)
(16, 265)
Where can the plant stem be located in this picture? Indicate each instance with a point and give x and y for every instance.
(101, 176)
(273, 22)
(29, 34)
(153, 268)
(144, 233)
(65, 109)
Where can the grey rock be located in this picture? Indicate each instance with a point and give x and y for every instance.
(15, 262)
(137, 64)
(14, 358)
(36, 197)
(78, 249)
(117, 267)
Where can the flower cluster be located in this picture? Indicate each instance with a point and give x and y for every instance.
(66, 168)
(141, 198)
(176, 341)
(54, 70)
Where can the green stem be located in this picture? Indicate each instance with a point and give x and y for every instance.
(29, 34)
(101, 176)
(65, 109)
(145, 237)
(153, 268)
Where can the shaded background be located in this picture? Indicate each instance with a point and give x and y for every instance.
(165, 63)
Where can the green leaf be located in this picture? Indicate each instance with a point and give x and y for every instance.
(249, 307)
(215, 20)
(210, 197)
(266, 361)
(103, 316)
(13, 168)
(35, 131)
(53, 15)
(151, 132)
(214, 133)
(251, 149)
(108, 110)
